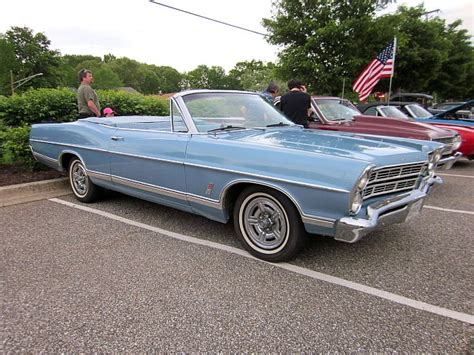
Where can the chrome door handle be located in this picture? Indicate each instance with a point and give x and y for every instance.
(116, 138)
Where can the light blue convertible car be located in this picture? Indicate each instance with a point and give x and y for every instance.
(231, 155)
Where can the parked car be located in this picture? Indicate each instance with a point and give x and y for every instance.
(229, 155)
(410, 111)
(444, 106)
(336, 114)
(425, 100)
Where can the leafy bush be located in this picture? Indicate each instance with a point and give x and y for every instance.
(125, 103)
(57, 105)
(60, 105)
(14, 144)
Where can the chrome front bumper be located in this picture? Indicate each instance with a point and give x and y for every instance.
(447, 163)
(393, 210)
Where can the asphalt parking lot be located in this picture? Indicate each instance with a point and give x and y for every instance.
(124, 275)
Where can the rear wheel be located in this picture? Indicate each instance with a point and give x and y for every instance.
(83, 188)
(268, 224)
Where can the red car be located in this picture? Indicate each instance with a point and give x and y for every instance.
(410, 111)
(336, 114)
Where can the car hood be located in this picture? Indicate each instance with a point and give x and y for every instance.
(406, 127)
(380, 150)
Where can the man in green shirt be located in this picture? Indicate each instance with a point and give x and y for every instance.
(87, 101)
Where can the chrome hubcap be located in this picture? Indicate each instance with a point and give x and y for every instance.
(265, 223)
(79, 179)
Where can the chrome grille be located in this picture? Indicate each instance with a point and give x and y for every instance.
(393, 179)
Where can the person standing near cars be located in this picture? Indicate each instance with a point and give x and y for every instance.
(296, 103)
(271, 92)
(87, 101)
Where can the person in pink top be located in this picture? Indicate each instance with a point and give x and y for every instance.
(108, 112)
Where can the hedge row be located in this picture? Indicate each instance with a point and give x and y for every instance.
(18, 112)
(59, 105)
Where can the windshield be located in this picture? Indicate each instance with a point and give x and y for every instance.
(231, 111)
(336, 110)
(418, 112)
(391, 111)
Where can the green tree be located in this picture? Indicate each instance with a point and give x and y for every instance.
(455, 78)
(204, 77)
(33, 56)
(8, 63)
(70, 66)
(168, 79)
(324, 41)
(104, 75)
(129, 71)
(327, 41)
(254, 75)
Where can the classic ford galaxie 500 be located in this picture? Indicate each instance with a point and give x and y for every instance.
(231, 155)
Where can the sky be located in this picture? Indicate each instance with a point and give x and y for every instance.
(153, 34)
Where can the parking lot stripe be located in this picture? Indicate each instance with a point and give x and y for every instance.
(463, 317)
(463, 176)
(448, 210)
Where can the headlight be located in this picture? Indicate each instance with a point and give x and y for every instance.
(358, 191)
(364, 178)
(457, 142)
(356, 203)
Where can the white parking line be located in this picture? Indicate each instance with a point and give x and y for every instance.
(448, 210)
(463, 317)
(463, 176)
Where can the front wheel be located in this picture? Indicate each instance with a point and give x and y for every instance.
(268, 224)
(83, 188)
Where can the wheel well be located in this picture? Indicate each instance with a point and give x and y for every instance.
(66, 159)
(235, 190)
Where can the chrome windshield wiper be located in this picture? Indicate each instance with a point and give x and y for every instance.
(279, 124)
(226, 128)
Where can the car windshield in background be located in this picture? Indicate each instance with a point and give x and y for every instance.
(444, 107)
(391, 111)
(232, 111)
(418, 111)
(336, 110)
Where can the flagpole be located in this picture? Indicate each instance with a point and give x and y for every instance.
(393, 70)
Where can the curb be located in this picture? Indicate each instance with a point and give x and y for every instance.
(33, 191)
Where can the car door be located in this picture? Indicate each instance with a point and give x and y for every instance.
(149, 163)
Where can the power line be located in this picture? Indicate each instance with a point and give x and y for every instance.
(208, 18)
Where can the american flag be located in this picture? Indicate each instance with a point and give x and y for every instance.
(380, 67)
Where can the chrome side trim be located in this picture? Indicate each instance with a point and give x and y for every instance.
(146, 157)
(217, 204)
(44, 157)
(318, 221)
(160, 190)
(69, 145)
(98, 175)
